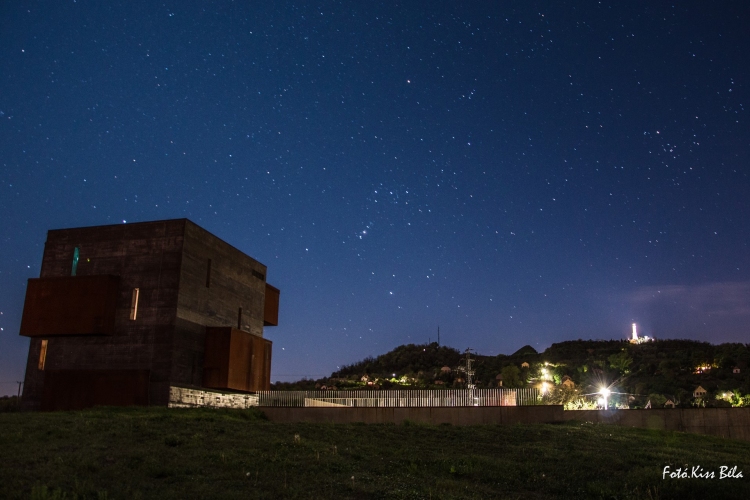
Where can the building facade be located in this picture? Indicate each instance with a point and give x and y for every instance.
(121, 313)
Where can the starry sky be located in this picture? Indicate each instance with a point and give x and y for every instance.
(511, 172)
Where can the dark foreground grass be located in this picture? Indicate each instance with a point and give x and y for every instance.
(160, 453)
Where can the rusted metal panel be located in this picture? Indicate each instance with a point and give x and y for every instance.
(240, 375)
(261, 364)
(78, 389)
(216, 357)
(236, 360)
(264, 383)
(271, 310)
(70, 305)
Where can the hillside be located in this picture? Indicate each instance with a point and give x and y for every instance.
(658, 371)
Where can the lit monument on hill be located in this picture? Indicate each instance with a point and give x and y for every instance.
(639, 340)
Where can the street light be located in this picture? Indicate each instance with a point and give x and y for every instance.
(605, 394)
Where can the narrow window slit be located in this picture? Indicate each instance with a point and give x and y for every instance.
(43, 355)
(74, 269)
(134, 304)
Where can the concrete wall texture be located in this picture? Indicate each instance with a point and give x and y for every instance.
(456, 415)
(732, 423)
(186, 280)
(144, 256)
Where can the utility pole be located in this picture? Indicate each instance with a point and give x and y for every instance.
(468, 370)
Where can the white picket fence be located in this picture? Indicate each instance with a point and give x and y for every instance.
(400, 398)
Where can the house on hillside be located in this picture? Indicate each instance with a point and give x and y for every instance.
(445, 369)
(736, 370)
(699, 392)
(127, 314)
(567, 382)
(499, 379)
(524, 365)
(669, 404)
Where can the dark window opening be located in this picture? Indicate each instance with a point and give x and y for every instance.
(258, 275)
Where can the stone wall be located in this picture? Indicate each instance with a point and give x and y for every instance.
(184, 397)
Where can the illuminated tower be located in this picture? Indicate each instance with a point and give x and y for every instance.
(635, 334)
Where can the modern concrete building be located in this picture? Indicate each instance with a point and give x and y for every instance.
(120, 313)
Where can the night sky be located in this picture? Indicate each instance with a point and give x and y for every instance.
(512, 172)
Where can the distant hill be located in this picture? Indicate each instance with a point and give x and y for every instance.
(405, 359)
(659, 370)
(526, 350)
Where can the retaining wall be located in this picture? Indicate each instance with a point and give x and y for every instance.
(733, 423)
(457, 415)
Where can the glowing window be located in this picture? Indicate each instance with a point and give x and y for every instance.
(75, 262)
(134, 303)
(43, 354)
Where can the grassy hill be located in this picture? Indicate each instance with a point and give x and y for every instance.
(201, 453)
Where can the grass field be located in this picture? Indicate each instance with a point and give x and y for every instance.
(200, 453)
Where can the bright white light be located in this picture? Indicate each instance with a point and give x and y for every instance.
(605, 394)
